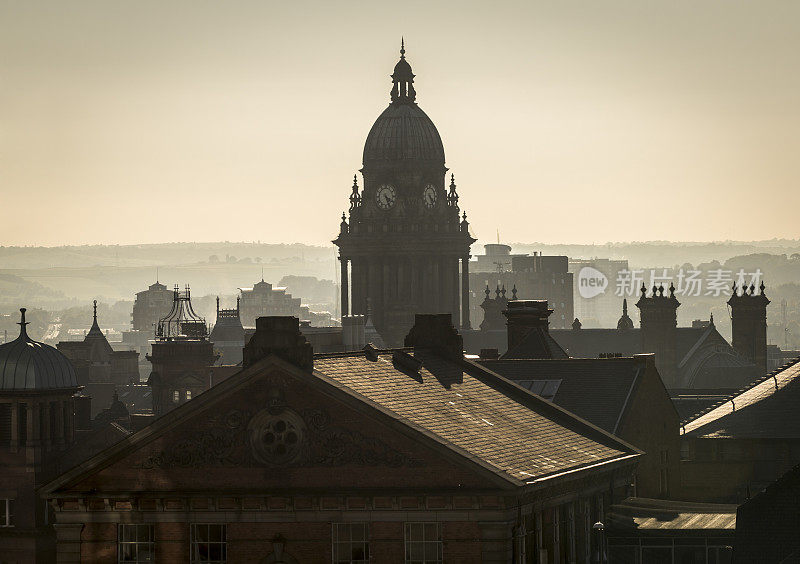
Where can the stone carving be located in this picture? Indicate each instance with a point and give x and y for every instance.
(277, 439)
(276, 436)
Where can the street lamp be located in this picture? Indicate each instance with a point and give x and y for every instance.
(599, 529)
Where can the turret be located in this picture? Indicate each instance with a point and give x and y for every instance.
(749, 320)
(659, 321)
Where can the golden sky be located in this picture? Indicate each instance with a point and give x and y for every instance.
(564, 122)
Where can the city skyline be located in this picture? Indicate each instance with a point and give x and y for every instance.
(612, 123)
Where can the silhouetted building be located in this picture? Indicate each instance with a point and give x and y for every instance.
(181, 357)
(401, 248)
(528, 331)
(767, 524)
(99, 368)
(264, 300)
(36, 426)
(227, 335)
(150, 306)
(534, 276)
(364, 456)
(749, 324)
(740, 446)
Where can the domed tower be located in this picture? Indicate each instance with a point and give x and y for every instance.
(37, 384)
(404, 243)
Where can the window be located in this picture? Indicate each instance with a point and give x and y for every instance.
(209, 543)
(135, 543)
(424, 543)
(6, 512)
(176, 396)
(188, 395)
(350, 543)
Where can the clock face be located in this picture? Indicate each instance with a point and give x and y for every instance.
(429, 196)
(385, 196)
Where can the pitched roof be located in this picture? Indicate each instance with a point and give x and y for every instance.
(481, 419)
(657, 516)
(589, 343)
(537, 343)
(595, 389)
(767, 409)
(476, 413)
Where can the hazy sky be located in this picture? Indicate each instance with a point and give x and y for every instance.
(568, 121)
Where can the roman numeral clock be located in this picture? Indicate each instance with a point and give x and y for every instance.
(404, 249)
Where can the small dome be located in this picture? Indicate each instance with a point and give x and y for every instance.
(26, 364)
(403, 132)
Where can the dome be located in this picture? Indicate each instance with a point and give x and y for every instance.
(403, 132)
(26, 364)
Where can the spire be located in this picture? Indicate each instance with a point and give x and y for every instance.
(625, 306)
(403, 80)
(23, 331)
(355, 197)
(452, 196)
(95, 329)
(217, 306)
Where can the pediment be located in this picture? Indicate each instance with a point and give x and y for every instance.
(271, 427)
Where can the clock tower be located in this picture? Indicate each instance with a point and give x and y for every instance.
(404, 249)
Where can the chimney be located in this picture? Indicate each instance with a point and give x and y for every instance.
(279, 335)
(749, 321)
(524, 315)
(489, 354)
(436, 331)
(353, 332)
(658, 315)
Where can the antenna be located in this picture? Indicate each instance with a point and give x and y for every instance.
(498, 236)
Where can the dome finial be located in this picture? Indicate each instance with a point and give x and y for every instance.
(94, 310)
(23, 332)
(403, 80)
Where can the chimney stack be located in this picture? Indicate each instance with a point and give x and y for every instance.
(749, 320)
(523, 316)
(659, 320)
(436, 331)
(281, 336)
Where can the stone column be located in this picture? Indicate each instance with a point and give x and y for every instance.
(69, 421)
(47, 432)
(465, 293)
(345, 287)
(34, 438)
(59, 430)
(14, 426)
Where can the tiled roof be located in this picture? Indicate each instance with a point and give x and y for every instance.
(475, 413)
(767, 409)
(595, 389)
(536, 344)
(657, 515)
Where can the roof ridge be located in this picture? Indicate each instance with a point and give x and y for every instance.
(744, 389)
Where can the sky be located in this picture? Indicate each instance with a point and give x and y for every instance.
(564, 122)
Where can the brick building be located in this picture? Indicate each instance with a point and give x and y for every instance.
(392, 455)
